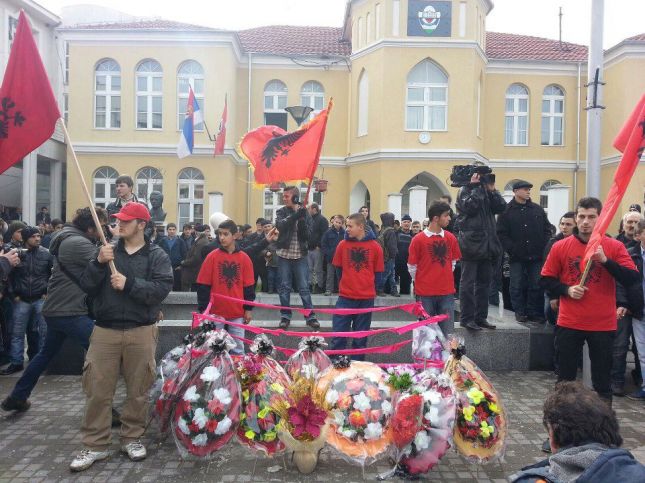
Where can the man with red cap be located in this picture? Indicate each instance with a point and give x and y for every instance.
(126, 305)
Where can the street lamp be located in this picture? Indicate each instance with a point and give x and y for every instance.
(299, 113)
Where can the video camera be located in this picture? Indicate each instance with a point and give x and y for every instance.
(22, 252)
(462, 174)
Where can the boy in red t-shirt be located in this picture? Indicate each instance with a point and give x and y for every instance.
(359, 258)
(227, 271)
(431, 261)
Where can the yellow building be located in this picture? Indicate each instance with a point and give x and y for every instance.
(418, 87)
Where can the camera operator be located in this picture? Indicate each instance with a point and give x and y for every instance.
(477, 204)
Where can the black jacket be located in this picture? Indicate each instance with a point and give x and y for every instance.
(403, 241)
(523, 230)
(29, 278)
(319, 226)
(475, 225)
(287, 220)
(626, 241)
(252, 249)
(149, 280)
(387, 237)
(114, 207)
(330, 241)
(631, 296)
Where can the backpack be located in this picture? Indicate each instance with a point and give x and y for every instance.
(381, 241)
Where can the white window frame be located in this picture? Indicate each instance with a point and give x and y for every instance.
(516, 114)
(276, 95)
(105, 176)
(190, 71)
(363, 104)
(552, 115)
(150, 70)
(151, 178)
(190, 178)
(544, 193)
(311, 92)
(427, 104)
(107, 93)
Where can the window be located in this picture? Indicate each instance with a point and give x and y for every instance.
(66, 107)
(377, 21)
(149, 95)
(368, 25)
(66, 47)
(190, 73)
(104, 186)
(363, 103)
(312, 95)
(273, 201)
(12, 26)
(427, 98)
(275, 100)
(553, 116)
(361, 32)
(516, 126)
(508, 189)
(107, 95)
(544, 193)
(190, 187)
(148, 180)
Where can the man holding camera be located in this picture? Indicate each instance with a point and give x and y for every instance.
(477, 204)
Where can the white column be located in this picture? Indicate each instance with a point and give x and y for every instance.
(56, 188)
(396, 17)
(594, 114)
(29, 180)
(462, 19)
(418, 202)
(215, 203)
(394, 204)
(558, 196)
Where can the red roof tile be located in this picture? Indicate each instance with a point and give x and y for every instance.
(636, 38)
(158, 24)
(294, 40)
(500, 46)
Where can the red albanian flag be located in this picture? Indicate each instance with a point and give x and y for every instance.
(28, 108)
(278, 155)
(631, 142)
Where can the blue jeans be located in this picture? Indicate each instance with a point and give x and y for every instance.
(526, 295)
(235, 332)
(438, 305)
(350, 323)
(273, 279)
(27, 320)
(58, 329)
(619, 353)
(299, 270)
(386, 281)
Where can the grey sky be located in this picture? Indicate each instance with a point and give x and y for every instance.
(623, 18)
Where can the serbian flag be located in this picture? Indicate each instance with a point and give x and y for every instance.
(221, 134)
(193, 118)
(631, 142)
(28, 108)
(278, 155)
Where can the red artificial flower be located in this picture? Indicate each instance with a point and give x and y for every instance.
(307, 418)
(344, 400)
(375, 415)
(357, 419)
(251, 409)
(211, 425)
(215, 406)
(185, 406)
(267, 422)
(169, 386)
(406, 421)
(355, 385)
(193, 427)
(481, 413)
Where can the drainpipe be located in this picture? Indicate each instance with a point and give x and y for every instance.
(577, 167)
(248, 128)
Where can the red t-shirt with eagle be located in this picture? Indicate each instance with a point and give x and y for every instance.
(227, 274)
(360, 261)
(433, 255)
(596, 310)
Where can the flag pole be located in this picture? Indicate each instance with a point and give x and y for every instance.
(585, 274)
(95, 217)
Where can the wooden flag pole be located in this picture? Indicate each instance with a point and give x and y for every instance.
(97, 223)
(585, 274)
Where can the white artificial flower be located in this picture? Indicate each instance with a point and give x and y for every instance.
(309, 371)
(432, 396)
(200, 418)
(385, 389)
(191, 394)
(332, 396)
(339, 417)
(375, 378)
(222, 395)
(362, 402)
(421, 440)
(200, 440)
(177, 351)
(223, 426)
(432, 415)
(183, 427)
(386, 407)
(348, 433)
(210, 374)
(373, 431)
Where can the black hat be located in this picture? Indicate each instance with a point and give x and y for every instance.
(28, 232)
(265, 222)
(521, 184)
(201, 228)
(406, 217)
(635, 207)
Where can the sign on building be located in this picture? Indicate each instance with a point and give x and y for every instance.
(429, 18)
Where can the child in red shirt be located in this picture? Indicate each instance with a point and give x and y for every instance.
(227, 271)
(431, 260)
(359, 257)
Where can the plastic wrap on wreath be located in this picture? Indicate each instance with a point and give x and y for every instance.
(480, 422)
(208, 411)
(263, 380)
(429, 345)
(309, 360)
(361, 408)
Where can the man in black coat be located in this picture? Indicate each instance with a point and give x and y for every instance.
(524, 231)
(319, 226)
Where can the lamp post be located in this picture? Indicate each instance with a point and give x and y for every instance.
(299, 113)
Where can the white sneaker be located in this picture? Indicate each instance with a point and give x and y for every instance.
(135, 450)
(86, 458)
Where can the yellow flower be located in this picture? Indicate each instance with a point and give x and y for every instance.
(263, 412)
(485, 430)
(475, 395)
(270, 436)
(245, 395)
(250, 434)
(277, 387)
(468, 413)
(493, 407)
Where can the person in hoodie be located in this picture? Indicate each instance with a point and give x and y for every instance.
(330, 240)
(388, 240)
(359, 258)
(585, 441)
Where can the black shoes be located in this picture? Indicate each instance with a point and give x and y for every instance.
(284, 323)
(487, 325)
(313, 323)
(11, 369)
(536, 319)
(471, 326)
(522, 319)
(617, 390)
(13, 404)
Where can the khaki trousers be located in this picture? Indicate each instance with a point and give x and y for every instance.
(111, 352)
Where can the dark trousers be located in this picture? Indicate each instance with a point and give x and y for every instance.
(619, 352)
(176, 285)
(526, 294)
(260, 270)
(58, 329)
(350, 323)
(569, 344)
(405, 280)
(474, 288)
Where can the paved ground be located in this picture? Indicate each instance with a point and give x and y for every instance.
(38, 445)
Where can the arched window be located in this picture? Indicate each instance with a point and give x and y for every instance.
(104, 181)
(275, 100)
(312, 95)
(190, 185)
(148, 180)
(190, 73)
(553, 116)
(427, 98)
(363, 104)
(516, 127)
(149, 95)
(107, 95)
(508, 189)
(544, 193)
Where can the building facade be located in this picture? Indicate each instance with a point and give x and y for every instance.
(418, 86)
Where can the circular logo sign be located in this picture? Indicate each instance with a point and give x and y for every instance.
(429, 19)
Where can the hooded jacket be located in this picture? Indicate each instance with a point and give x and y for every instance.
(330, 241)
(387, 237)
(29, 278)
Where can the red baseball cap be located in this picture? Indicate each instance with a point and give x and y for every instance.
(133, 211)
